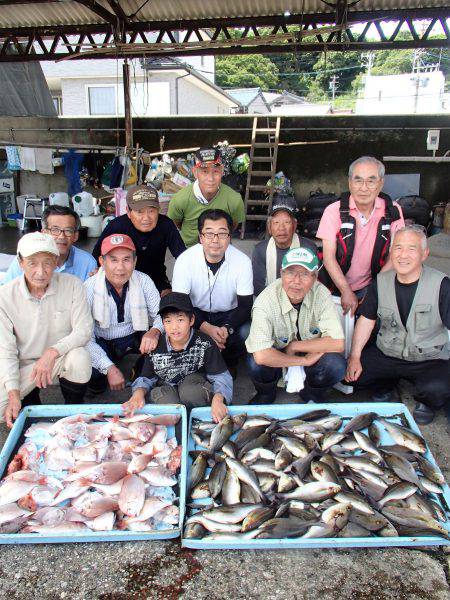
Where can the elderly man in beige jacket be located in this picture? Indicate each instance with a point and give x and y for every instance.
(45, 324)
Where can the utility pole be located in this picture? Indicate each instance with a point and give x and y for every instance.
(416, 67)
(333, 87)
(369, 59)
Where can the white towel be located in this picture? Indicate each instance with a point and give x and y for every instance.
(271, 258)
(295, 379)
(44, 162)
(198, 193)
(27, 159)
(138, 306)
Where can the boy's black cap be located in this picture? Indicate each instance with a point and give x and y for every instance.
(176, 300)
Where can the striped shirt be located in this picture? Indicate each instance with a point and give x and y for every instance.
(100, 360)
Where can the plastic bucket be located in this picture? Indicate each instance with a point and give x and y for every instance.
(94, 225)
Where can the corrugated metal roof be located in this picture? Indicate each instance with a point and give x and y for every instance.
(40, 15)
(244, 95)
(67, 12)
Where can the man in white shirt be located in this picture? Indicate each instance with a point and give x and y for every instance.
(219, 281)
(124, 303)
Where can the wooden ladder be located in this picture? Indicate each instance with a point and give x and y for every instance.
(265, 152)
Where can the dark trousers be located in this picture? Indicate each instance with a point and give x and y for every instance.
(193, 391)
(73, 393)
(115, 349)
(235, 344)
(430, 377)
(327, 371)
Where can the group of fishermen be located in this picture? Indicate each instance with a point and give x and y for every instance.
(72, 316)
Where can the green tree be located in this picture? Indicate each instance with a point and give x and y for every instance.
(294, 70)
(392, 62)
(345, 65)
(251, 70)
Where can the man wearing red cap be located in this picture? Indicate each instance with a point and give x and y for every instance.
(124, 303)
(207, 192)
(153, 234)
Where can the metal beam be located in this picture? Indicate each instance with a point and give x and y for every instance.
(127, 105)
(306, 33)
(98, 9)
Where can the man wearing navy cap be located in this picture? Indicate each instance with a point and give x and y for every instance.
(151, 233)
(268, 254)
(207, 192)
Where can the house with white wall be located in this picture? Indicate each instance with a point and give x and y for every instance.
(421, 92)
(252, 100)
(83, 88)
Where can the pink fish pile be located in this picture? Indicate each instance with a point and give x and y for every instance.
(87, 473)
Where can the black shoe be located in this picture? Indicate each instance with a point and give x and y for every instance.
(383, 396)
(32, 398)
(423, 414)
(233, 371)
(137, 368)
(262, 399)
(73, 393)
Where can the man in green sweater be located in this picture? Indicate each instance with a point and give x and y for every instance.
(207, 192)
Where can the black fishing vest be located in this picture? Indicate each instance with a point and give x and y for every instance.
(346, 236)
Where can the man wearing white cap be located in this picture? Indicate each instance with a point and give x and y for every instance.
(45, 324)
(295, 324)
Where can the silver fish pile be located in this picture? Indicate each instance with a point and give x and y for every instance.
(93, 473)
(315, 476)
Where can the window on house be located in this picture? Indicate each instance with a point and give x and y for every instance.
(102, 100)
(380, 93)
(57, 103)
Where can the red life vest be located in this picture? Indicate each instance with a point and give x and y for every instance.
(345, 239)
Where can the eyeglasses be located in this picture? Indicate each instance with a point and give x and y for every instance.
(209, 235)
(371, 183)
(303, 276)
(57, 231)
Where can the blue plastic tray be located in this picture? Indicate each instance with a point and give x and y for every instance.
(284, 411)
(60, 411)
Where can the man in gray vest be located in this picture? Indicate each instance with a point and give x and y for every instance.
(412, 303)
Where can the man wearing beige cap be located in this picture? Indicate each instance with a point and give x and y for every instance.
(45, 324)
(151, 233)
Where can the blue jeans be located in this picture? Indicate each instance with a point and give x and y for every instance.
(328, 370)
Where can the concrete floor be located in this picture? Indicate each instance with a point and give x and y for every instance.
(162, 570)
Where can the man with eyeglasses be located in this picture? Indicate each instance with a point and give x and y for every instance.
(356, 232)
(207, 192)
(219, 280)
(63, 224)
(412, 304)
(295, 324)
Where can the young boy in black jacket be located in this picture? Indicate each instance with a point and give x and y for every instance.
(186, 367)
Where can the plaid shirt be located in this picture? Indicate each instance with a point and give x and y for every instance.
(275, 322)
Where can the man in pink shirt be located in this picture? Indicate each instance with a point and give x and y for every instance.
(356, 232)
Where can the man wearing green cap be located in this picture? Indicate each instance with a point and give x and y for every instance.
(295, 324)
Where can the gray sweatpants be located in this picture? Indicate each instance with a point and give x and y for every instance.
(193, 391)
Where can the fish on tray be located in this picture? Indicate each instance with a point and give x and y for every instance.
(315, 476)
(87, 473)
